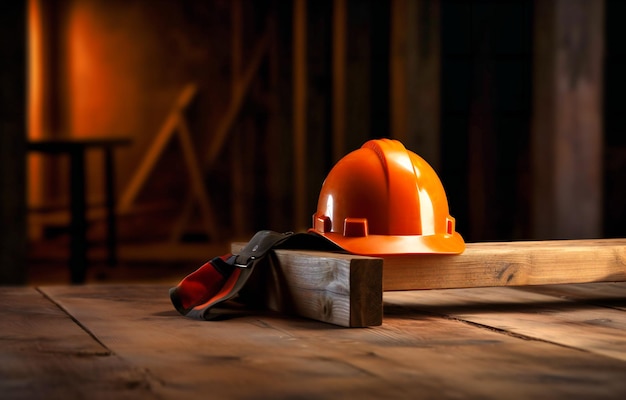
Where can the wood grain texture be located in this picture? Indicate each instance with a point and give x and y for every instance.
(46, 354)
(536, 316)
(510, 264)
(611, 295)
(416, 353)
(341, 289)
(301, 281)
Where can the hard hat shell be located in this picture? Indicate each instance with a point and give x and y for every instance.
(383, 199)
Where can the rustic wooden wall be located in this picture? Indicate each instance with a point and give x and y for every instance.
(567, 132)
(466, 84)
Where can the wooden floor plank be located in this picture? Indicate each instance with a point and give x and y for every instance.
(26, 313)
(611, 295)
(572, 323)
(45, 354)
(259, 354)
(224, 358)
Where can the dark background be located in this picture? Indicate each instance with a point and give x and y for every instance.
(117, 67)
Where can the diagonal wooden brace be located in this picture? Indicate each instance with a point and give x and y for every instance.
(346, 290)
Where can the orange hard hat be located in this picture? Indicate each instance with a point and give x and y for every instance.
(383, 199)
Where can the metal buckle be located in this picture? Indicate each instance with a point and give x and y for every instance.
(248, 264)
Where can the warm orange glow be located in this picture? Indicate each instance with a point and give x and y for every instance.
(101, 92)
(35, 99)
(88, 77)
(102, 95)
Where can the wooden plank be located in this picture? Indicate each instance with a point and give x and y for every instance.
(250, 353)
(27, 313)
(498, 264)
(45, 354)
(210, 356)
(481, 265)
(536, 316)
(567, 136)
(510, 264)
(341, 289)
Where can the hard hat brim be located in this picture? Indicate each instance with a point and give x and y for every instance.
(381, 245)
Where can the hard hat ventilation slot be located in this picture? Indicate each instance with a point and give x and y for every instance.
(450, 222)
(322, 223)
(355, 227)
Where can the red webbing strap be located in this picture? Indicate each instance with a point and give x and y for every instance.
(222, 278)
(203, 285)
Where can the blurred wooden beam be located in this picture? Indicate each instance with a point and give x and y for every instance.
(299, 113)
(240, 90)
(162, 138)
(175, 125)
(279, 176)
(236, 45)
(415, 66)
(339, 78)
(398, 69)
(567, 135)
(238, 149)
(242, 78)
(196, 179)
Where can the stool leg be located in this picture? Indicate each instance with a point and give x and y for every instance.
(78, 222)
(109, 177)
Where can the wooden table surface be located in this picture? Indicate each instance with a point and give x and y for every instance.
(126, 341)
